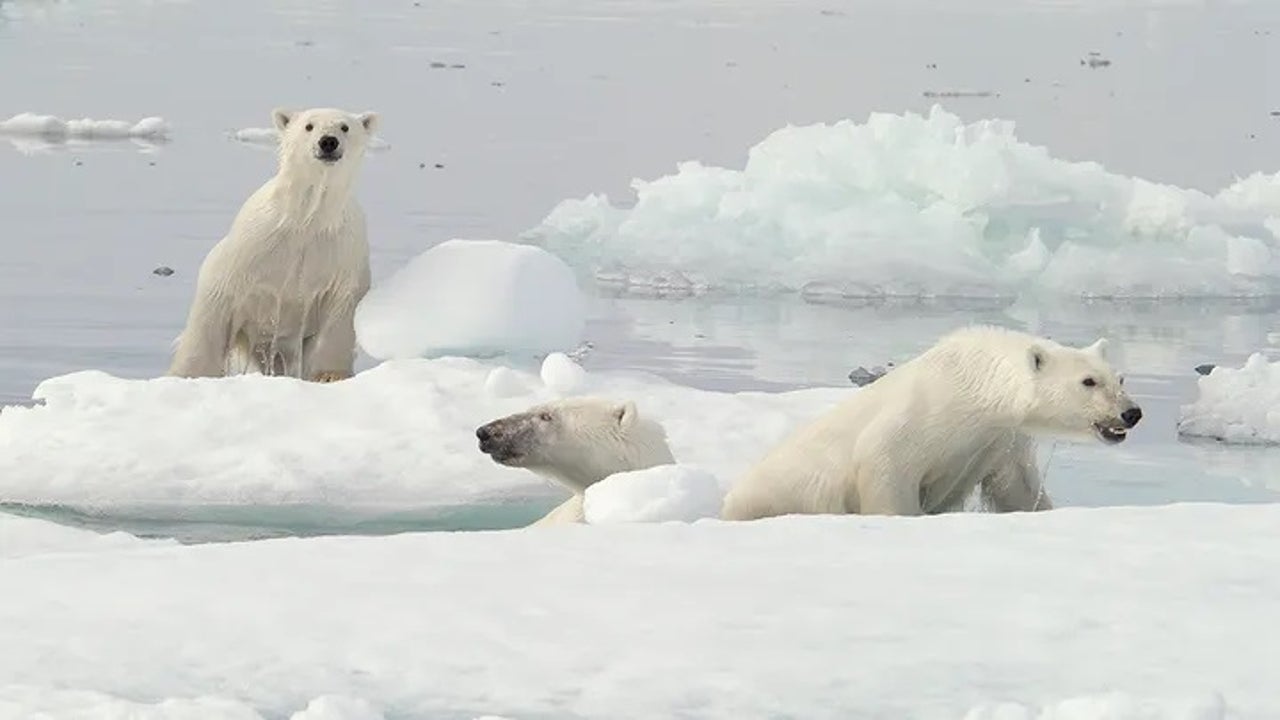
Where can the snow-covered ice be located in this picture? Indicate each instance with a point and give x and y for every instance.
(395, 437)
(22, 537)
(666, 493)
(1236, 405)
(989, 616)
(270, 137)
(911, 205)
(473, 297)
(55, 129)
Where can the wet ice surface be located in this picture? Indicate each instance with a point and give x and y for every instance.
(495, 113)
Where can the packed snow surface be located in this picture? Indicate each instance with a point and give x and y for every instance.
(977, 617)
(21, 537)
(473, 297)
(50, 128)
(1237, 405)
(920, 206)
(398, 436)
(666, 493)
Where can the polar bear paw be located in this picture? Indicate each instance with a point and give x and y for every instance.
(329, 376)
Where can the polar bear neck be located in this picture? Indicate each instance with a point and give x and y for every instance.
(319, 201)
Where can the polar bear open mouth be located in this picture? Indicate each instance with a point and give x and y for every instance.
(1109, 433)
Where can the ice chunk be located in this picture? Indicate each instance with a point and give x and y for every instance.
(54, 129)
(665, 493)
(473, 297)
(921, 207)
(1238, 406)
(562, 375)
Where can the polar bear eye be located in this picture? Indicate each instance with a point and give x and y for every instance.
(345, 128)
(544, 417)
(310, 127)
(1089, 382)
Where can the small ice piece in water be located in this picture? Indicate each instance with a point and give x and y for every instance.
(475, 298)
(666, 493)
(562, 375)
(56, 129)
(503, 382)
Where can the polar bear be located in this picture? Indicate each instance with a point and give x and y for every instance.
(577, 442)
(278, 293)
(959, 416)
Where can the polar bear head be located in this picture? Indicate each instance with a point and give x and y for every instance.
(1076, 392)
(576, 441)
(322, 141)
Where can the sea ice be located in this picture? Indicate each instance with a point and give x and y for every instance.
(473, 297)
(397, 437)
(667, 493)
(23, 537)
(921, 207)
(1004, 617)
(1236, 405)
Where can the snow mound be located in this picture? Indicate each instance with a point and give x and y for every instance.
(717, 619)
(1238, 406)
(561, 374)
(476, 298)
(910, 206)
(50, 128)
(23, 537)
(394, 438)
(270, 137)
(338, 707)
(1110, 706)
(667, 493)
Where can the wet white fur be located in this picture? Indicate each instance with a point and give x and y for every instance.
(589, 440)
(278, 293)
(924, 436)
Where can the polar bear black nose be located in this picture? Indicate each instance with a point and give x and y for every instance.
(1131, 416)
(328, 143)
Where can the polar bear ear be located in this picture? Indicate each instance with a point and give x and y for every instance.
(281, 117)
(369, 120)
(1036, 357)
(626, 414)
(1099, 348)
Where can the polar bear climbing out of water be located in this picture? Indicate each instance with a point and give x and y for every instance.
(278, 294)
(577, 442)
(958, 417)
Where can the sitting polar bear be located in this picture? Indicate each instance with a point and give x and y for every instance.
(577, 442)
(922, 437)
(278, 294)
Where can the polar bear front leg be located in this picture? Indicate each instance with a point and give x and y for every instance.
(201, 350)
(1015, 485)
(885, 488)
(330, 355)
